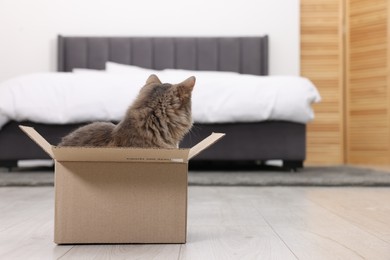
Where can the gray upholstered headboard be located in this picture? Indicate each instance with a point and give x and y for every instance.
(247, 55)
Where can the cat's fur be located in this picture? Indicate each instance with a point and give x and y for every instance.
(159, 117)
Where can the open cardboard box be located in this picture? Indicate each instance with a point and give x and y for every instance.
(120, 195)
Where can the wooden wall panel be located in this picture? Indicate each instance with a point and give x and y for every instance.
(367, 86)
(322, 62)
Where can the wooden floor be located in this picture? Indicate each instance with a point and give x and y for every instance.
(223, 223)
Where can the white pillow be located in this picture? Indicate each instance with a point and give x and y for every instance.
(84, 70)
(113, 67)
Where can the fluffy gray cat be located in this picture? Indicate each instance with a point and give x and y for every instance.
(159, 117)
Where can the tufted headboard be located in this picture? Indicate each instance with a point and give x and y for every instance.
(247, 55)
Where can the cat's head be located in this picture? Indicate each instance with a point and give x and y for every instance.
(168, 105)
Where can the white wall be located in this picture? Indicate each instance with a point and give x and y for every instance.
(28, 28)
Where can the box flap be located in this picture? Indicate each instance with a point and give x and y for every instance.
(204, 144)
(120, 154)
(33, 134)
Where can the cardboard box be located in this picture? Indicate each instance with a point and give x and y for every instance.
(120, 195)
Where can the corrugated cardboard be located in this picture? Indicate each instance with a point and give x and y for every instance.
(120, 195)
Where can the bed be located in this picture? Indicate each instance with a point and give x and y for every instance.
(245, 141)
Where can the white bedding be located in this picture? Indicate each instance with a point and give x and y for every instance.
(218, 97)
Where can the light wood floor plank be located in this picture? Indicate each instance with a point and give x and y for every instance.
(313, 232)
(24, 203)
(114, 252)
(10, 195)
(370, 213)
(209, 206)
(233, 242)
(28, 226)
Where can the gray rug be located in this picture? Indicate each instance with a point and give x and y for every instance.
(309, 176)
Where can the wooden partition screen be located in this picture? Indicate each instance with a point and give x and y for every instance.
(345, 52)
(322, 50)
(367, 74)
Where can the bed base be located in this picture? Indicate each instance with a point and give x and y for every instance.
(256, 142)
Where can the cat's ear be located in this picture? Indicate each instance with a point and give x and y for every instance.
(153, 79)
(188, 84)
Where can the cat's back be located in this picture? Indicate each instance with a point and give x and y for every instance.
(94, 134)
